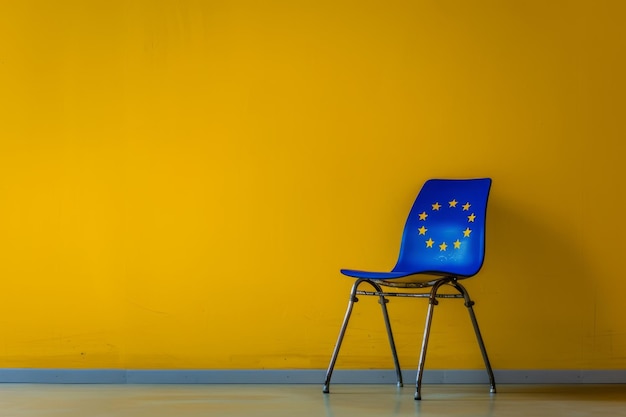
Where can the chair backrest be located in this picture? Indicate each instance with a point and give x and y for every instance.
(445, 231)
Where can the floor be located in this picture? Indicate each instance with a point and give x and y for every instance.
(21, 400)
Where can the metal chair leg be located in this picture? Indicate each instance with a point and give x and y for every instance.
(353, 299)
(383, 303)
(432, 302)
(342, 332)
(469, 304)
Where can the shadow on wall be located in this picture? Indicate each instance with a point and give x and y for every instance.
(539, 282)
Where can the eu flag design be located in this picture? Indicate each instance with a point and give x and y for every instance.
(446, 227)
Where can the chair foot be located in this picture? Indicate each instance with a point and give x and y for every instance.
(493, 389)
(399, 384)
(417, 396)
(326, 389)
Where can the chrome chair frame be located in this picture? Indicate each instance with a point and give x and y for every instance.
(432, 296)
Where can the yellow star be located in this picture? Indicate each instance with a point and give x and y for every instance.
(443, 247)
(466, 206)
(453, 203)
(471, 218)
(429, 243)
(422, 230)
(466, 232)
(457, 244)
(423, 215)
(436, 206)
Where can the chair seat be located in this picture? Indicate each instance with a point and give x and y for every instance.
(355, 273)
(396, 278)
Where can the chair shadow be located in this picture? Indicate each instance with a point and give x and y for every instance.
(538, 276)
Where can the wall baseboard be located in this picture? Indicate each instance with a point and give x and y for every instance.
(304, 376)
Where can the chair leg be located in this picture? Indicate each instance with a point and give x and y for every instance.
(432, 302)
(353, 299)
(469, 304)
(383, 303)
(342, 332)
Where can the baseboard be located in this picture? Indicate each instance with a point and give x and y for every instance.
(305, 376)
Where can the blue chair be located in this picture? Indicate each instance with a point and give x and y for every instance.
(443, 242)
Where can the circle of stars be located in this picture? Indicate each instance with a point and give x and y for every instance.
(443, 246)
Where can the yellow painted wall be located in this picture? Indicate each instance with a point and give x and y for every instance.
(180, 180)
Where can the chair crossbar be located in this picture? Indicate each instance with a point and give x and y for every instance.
(406, 294)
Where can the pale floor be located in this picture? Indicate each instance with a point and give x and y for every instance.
(34, 400)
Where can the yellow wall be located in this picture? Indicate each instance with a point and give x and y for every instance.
(180, 180)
